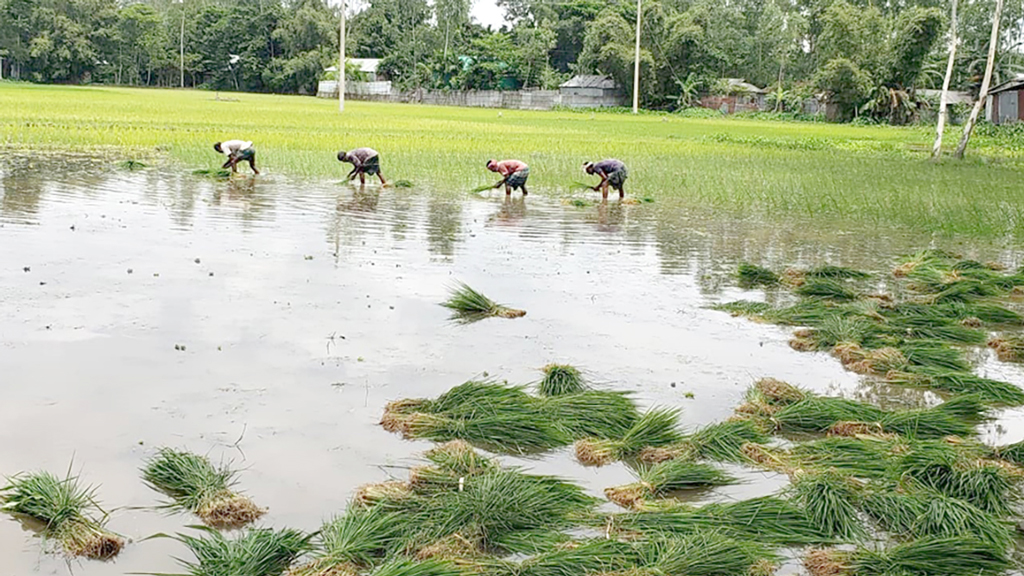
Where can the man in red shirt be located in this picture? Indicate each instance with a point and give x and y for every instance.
(515, 173)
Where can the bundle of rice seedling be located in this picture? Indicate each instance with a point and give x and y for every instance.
(359, 538)
(940, 330)
(593, 413)
(68, 510)
(765, 457)
(878, 361)
(1008, 347)
(580, 558)
(776, 392)
(767, 519)
(561, 379)
(402, 184)
(390, 493)
(854, 429)
(454, 462)
(955, 417)
(513, 432)
(657, 427)
(704, 553)
(744, 308)
(468, 305)
(835, 329)
(825, 289)
(196, 485)
(454, 547)
(256, 552)
(836, 273)
(751, 276)
(932, 354)
(669, 476)
(931, 556)
(986, 312)
(818, 414)
(862, 456)
(943, 516)
(473, 397)
(993, 392)
(829, 499)
(1012, 453)
(961, 471)
(483, 188)
(398, 413)
(405, 567)
(217, 173)
(721, 442)
(132, 164)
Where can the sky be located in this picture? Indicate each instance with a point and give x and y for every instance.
(486, 12)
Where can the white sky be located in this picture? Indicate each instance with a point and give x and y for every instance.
(487, 13)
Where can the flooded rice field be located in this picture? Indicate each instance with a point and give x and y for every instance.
(267, 322)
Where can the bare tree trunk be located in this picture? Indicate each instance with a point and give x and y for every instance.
(944, 100)
(993, 42)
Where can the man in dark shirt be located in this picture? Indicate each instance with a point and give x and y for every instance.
(612, 172)
(364, 161)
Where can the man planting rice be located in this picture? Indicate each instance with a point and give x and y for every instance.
(237, 151)
(364, 161)
(612, 172)
(515, 173)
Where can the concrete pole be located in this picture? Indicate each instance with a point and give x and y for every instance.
(341, 61)
(636, 64)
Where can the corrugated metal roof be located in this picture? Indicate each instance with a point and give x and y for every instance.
(746, 86)
(1011, 85)
(589, 81)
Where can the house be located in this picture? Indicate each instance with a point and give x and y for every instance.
(590, 91)
(739, 96)
(1005, 103)
(372, 85)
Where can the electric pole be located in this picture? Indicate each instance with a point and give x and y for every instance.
(636, 64)
(341, 61)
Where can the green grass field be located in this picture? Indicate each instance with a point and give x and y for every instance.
(868, 175)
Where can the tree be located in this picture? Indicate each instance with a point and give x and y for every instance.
(451, 16)
(847, 86)
(969, 127)
(944, 99)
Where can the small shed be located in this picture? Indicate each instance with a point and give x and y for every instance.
(1005, 103)
(742, 96)
(590, 86)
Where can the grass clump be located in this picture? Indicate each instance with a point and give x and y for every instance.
(662, 479)
(256, 552)
(561, 379)
(657, 427)
(468, 305)
(68, 510)
(196, 485)
(751, 276)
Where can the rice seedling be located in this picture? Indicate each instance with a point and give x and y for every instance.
(751, 276)
(404, 567)
(360, 538)
(657, 427)
(836, 273)
(934, 354)
(919, 513)
(744, 308)
(561, 379)
(721, 442)
(132, 164)
(993, 392)
(578, 558)
(482, 188)
(826, 289)
(592, 414)
(518, 432)
(861, 456)
(216, 174)
(453, 462)
(670, 476)
(468, 305)
(196, 485)
(961, 471)
(1011, 453)
(931, 556)
(68, 510)
(705, 553)
(830, 500)
(402, 184)
(766, 519)
(255, 552)
(1008, 347)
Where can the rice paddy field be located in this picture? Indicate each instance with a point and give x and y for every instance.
(795, 348)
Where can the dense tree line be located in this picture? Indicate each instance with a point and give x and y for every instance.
(867, 56)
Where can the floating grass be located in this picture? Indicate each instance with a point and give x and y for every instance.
(68, 509)
(561, 379)
(751, 276)
(468, 305)
(830, 500)
(670, 476)
(657, 427)
(198, 486)
(255, 552)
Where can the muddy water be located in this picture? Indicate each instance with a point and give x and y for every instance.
(267, 322)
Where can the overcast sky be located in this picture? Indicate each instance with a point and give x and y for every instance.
(487, 13)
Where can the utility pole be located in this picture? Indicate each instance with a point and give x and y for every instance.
(636, 64)
(181, 45)
(341, 61)
(944, 99)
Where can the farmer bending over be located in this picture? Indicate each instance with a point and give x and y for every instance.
(236, 151)
(364, 161)
(515, 173)
(612, 172)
